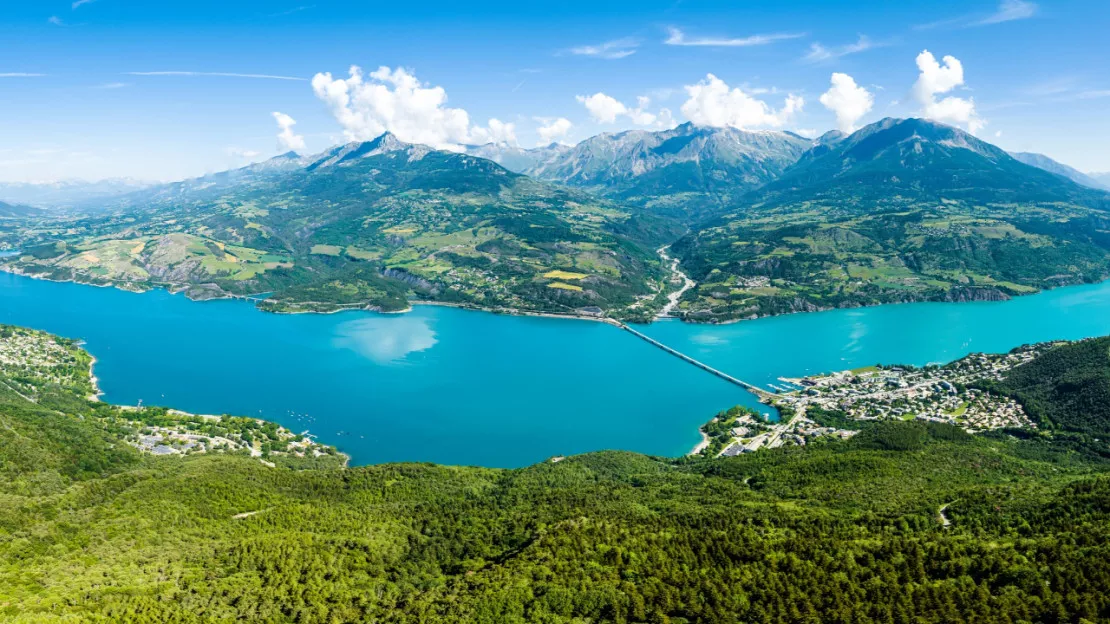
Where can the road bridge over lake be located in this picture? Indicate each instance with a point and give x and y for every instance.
(756, 390)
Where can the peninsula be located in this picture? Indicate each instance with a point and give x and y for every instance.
(36, 367)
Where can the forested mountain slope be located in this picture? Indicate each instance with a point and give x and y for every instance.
(901, 210)
(852, 531)
(1066, 389)
(903, 161)
(365, 224)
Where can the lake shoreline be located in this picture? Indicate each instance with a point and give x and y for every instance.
(626, 377)
(176, 288)
(700, 446)
(864, 306)
(94, 380)
(95, 397)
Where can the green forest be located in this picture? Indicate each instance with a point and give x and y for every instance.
(1067, 389)
(906, 522)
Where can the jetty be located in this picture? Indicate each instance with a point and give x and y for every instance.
(756, 390)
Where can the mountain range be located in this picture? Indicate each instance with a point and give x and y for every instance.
(914, 159)
(1044, 162)
(67, 193)
(900, 210)
(688, 172)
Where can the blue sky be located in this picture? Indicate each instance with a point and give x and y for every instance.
(87, 90)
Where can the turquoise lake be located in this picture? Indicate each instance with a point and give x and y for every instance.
(461, 387)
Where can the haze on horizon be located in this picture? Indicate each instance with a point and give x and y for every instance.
(116, 88)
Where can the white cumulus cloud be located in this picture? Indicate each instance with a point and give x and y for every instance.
(937, 79)
(288, 140)
(552, 130)
(496, 132)
(394, 100)
(607, 109)
(603, 108)
(712, 102)
(847, 100)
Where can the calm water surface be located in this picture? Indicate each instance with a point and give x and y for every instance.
(460, 387)
(919, 333)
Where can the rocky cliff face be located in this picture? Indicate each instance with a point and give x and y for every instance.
(704, 155)
(975, 293)
(414, 281)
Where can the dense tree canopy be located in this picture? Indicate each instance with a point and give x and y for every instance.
(906, 522)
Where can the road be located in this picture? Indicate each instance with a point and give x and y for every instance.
(944, 521)
(776, 435)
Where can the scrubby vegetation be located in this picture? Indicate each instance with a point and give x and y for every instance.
(835, 418)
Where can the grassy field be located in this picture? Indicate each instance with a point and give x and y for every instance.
(326, 250)
(564, 275)
(171, 259)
